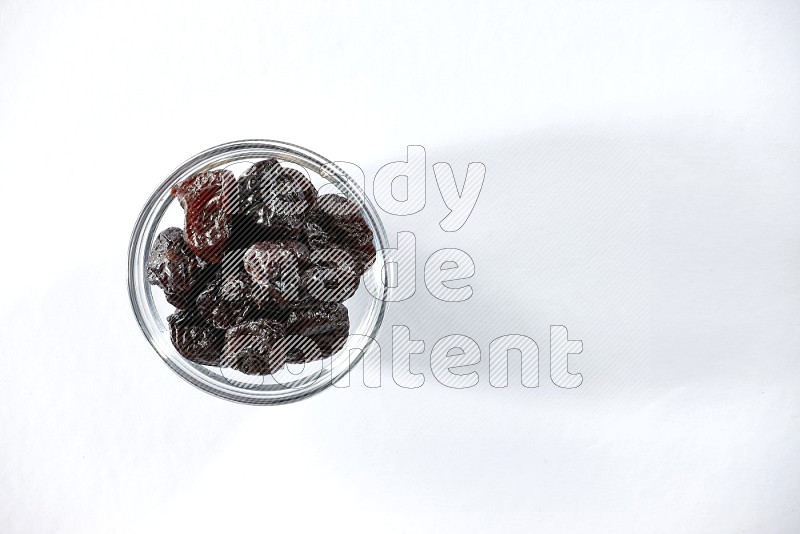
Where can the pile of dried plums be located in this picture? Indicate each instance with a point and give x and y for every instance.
(259, 273)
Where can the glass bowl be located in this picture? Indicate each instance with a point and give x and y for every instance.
(295, 381)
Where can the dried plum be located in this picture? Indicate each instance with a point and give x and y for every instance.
(333, 278)
(363, 257)
(230, 299)
(249, 347)
(174, 267)
(338, 209)
(207, 199)
(300, 349)
(337, 220)
(245, 232)
(319, 320)
(327, 326)
(275, 266)
(275, 196)
(194, 338)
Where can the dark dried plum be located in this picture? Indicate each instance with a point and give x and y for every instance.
(329, 285)
(299, 349)
(251, 181)
(208, 198)
(357, 234)
(340, 217)
(333, 341)
(338, 209)
(274, 196)
(363, 257)
(248, 347)
(333, 278)
(275, 266)
(174, 267)
(194, 338)
(246, 232)
(327, 326)
(232, 261)
(315, 234)
(319, 320)
(337, 220)
(230, 299)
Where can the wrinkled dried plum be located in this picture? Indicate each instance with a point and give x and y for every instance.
(337, 220)
(341, 217)
(274, 196)
(207, 198)
(333, 277)
(174, 267)
(275, 266)
(363, 257)
(332, 342)
(327, 326)
(315, 234)
(194, 338)
(248, 347)
(298, 349)
(245, 232)
(229, 299)
(338, 209)
(232, 261)
(322, 319)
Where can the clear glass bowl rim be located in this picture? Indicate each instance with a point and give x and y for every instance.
(140, 291)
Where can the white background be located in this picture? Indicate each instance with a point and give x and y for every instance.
(642, 188)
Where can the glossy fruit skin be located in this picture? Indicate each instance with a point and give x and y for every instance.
(334, 274)
(208, 200)
(174, 267)
(327, 325)
(276, 197)
(194, 338)
(229, 299)
(249, 347)
(337, 221)
(276, 266)
(318, 320)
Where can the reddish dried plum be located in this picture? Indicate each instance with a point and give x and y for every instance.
(194, 338)
(174, 267)
(249, 347)
(274, 196)
(275, 266)
(208, 198)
